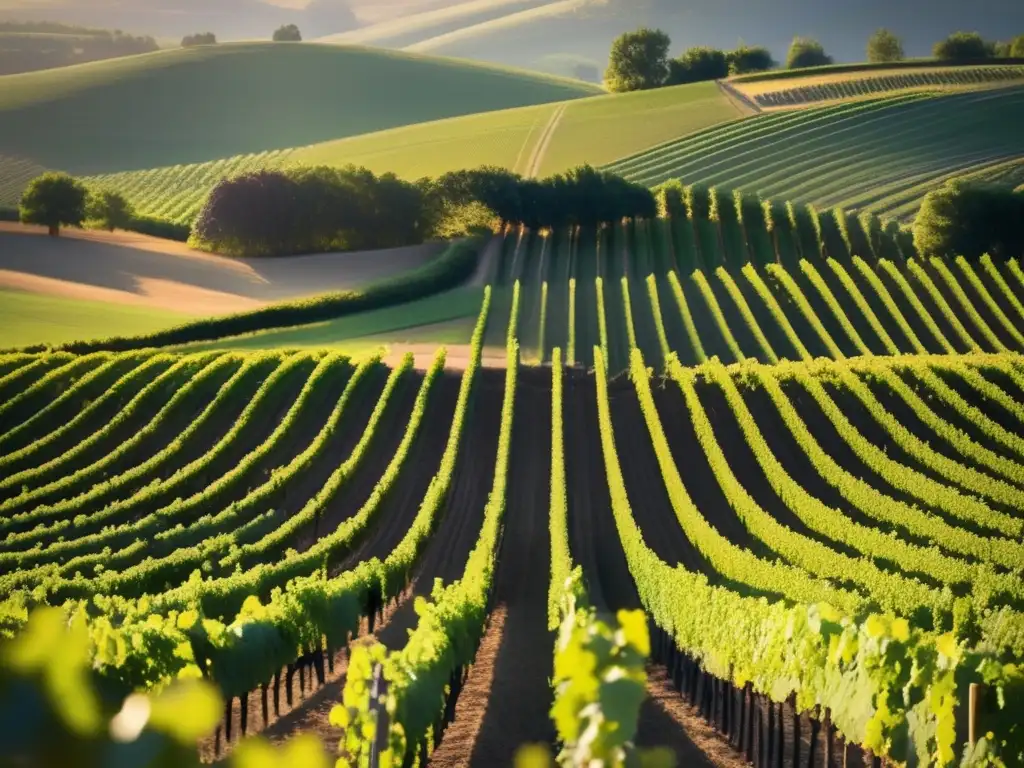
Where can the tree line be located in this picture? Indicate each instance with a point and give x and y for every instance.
(324, 209)
(287, 33)
(25, 47)
(640, 60)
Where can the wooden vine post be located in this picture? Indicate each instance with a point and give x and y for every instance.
(974, 704)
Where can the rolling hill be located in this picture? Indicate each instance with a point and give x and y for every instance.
(881, 155)
(534, 140)
(528, 32)
(200, 104)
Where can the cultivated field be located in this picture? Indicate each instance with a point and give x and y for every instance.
(792, 441)
(879, 155)
(723, 500)
(874, 81)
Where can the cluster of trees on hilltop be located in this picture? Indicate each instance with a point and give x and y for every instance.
(200, 38)
(970, 46)
(25, 47)
(640, 60)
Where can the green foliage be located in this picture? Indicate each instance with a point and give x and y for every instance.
(963, 46)
(61, 713)
(200, 38)
(697, 64)
(289, 33)
(1016, 47)
(54, 200)
(638, 61)
(884, 46)
(746, 59)
(806, 52)
(968, 219)
(600, 683)
(109, 210)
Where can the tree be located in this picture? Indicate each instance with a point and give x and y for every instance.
(200, 38)
(970, 219)
(698, 64)
(883, 46)
(747, 59)
(109, 209)
(289, 33)
(54, 200)
(638, 61)
(806, 52)
(963, 46)
(1017, 47)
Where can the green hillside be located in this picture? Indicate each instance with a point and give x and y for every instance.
(201, 104)
(880, 155)
(593, 130)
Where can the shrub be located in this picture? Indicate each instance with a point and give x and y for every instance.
(1016, 47)
(638, 61)
(109, 210)
(200, 38)
(54, 200)
(749, 59)
(970, 219)
(806, 52)
(582, 196)
(963, 46)
(289, 33)
(309, 210)
(156, 227)
(698, 64)
(884, 46)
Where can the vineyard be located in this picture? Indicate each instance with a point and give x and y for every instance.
(176, 194)
(880, 155)
(840, 88)
(750, 280)
(810, 482)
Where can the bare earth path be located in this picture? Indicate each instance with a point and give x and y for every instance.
(129, 268)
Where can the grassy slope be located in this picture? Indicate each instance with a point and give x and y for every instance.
(193, 105)
(443, 318)
(883, 158)
(595, 130)
(28, 319)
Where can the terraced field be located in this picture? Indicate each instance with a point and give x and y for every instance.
(302, 503)
(879, 155)
(824, 87)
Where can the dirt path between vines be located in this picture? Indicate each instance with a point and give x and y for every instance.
(507, 696)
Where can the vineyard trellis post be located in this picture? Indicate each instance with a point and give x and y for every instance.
(976, 694)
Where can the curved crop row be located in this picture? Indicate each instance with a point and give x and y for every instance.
(782, 649)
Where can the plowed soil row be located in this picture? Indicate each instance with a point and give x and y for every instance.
(450, 543)
(398, 509)
(92, 423)
(507, 696)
